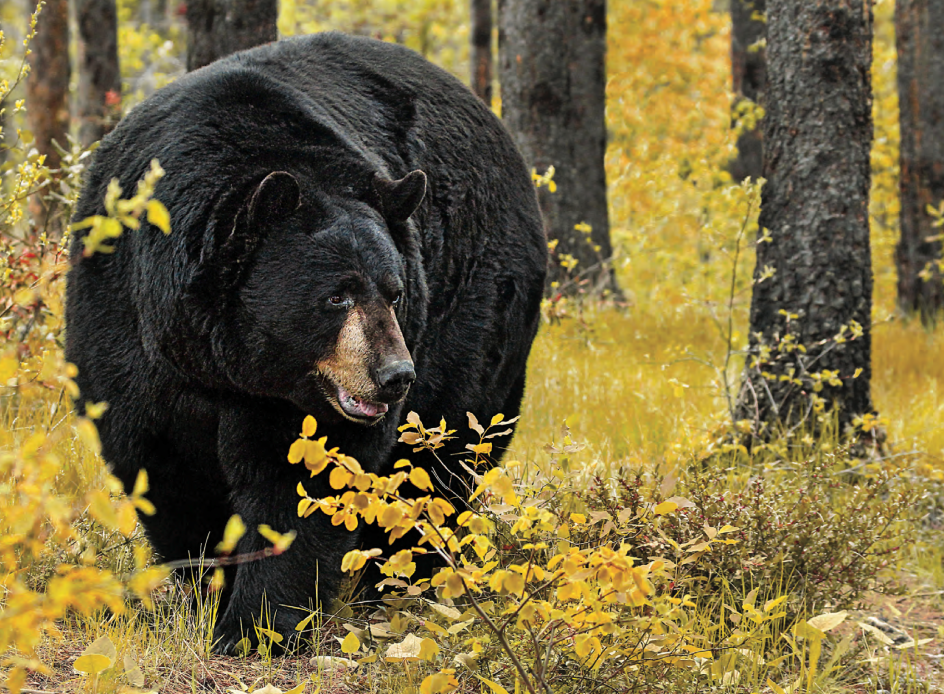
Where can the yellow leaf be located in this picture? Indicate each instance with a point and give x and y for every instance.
(92, 663)
(102, 646)
(804, 629)
(89, 435)
(350, 644)
(127, 519)
(133, 672)
(140, 482)
(102, 510)
(406, 650)
(339, 478)
(435, 628)
(309, 427)
(282, 541)
(303, 505)
(235, 529)
(25, 297)
(877, 633)
(8, 367)
(390, 517)
(664, 508)
(353, 560)
(296, 451)
(830, 620)
(496, 419)
(494, 686)
(450, 613)
(513, 583)
(420, 479)
(158, 215)
(428, 650)
(438, 683)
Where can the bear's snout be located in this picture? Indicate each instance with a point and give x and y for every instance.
(394, 379)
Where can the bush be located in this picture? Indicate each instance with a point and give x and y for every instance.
(816, 528)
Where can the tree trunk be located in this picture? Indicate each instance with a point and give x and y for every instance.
(919, 25)
(216, 28)
(553, 84)
(749, 80)
(47, 92)
(99, 76)
(817, 135)
(481, 60)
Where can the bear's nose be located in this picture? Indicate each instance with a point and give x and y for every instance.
(395, 378)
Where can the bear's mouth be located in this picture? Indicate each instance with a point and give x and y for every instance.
(358, 409)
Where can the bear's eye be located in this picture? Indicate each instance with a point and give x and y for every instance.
(396, 299)
(338, 300)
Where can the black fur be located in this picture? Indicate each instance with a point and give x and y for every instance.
(280, 162)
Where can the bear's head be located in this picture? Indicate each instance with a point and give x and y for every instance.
(304, 293)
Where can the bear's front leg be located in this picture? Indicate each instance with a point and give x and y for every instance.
(275, 592)
(278, 592)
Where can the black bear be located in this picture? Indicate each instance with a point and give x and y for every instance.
(354, 237)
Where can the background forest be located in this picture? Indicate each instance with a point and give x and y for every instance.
(807, 559)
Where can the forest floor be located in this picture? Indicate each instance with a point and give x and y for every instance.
(633, 388)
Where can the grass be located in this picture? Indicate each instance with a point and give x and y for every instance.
(623, 382)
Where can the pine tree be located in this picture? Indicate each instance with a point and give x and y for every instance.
(810, 321)
(216, 28)
(553, 84)
(920, 39)
(99, 99)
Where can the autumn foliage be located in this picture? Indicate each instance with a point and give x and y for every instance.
(628, 539)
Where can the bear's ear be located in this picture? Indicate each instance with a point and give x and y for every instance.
(277, 195)
(399, 199)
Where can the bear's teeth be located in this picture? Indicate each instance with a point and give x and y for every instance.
(360, 408)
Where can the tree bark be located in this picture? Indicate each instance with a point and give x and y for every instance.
(749, 80)
(552, 57)
(99, 76)
(817, 136)
(47, 86)
(216, 28)
(920, 43)
(47, 102)
(482, 49)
